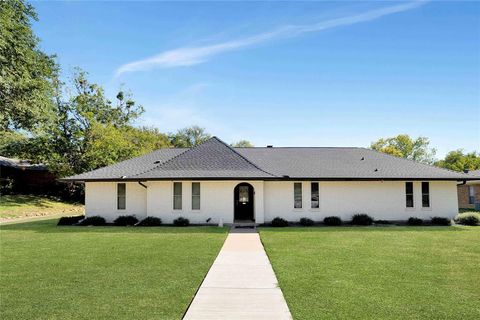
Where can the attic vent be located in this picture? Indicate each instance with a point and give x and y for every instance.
(156, 162)
(123, 177)
(269, 146)
(286, 176)
(375, 170)
(363, 158)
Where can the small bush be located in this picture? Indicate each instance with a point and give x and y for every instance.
(181, 222)
(150, 222)
(413, 221)
(93, 221)
(125, 221)
(362, 219)
(279, 222)
(440, 221)
(468, 218)
(382, 222)
(69, 221)
(306, 222)
(332, 221)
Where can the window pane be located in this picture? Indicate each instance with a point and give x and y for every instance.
(409, 194)
(243, 194)
(195, 195)
(297, 195)
(409, 201)
(425, 187)
(425, 200)
(121, 196)
(315, 195)
(177, 195)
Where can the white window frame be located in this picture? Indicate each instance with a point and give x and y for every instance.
(124, 196)
(471, 195)
(181, 196)
(429, 194)
(199, 196)
(301, 196)
(406, 194)
(311, 196)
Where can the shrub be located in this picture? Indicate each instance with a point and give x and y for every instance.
(125, 221)
(440, 221)
(332, 221)
(413, 221)
(362, 219)
(306, 222)
(468, 218)
(150, 222)
(181, 222)
(68, 221)
(382, 222)
(93, 221)
(279, 222)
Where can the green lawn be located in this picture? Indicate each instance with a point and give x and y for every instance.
(22, 206)
(50, 272)
(377, 273)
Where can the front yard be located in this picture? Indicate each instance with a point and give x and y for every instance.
(50, 272)
(377, 273)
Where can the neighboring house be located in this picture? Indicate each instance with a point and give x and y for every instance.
(23, 176)
(469, 192)
(214, 182)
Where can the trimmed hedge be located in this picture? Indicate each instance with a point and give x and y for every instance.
(468, 218)
(362, 219)
(150, 222)
(125, 221)
(279, 222)
(94, 221)
(69, 221)
(332, 221)
(441, 221)
(306, 222)
(414, 221)
(181, 222)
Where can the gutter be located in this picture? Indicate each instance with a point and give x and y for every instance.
(140, 183)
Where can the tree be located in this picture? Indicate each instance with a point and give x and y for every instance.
(242, 144)
(405, 147)
(189, 137)
(27, 74)
(459, 161)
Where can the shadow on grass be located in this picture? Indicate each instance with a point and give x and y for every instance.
(369, 229)
(50, 226)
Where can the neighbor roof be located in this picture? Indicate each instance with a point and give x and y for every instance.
(214, 159)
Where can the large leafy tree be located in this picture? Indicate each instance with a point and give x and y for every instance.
(459, 161)
(406, 147)
(242, 144)
(26, 73)
(189, 137)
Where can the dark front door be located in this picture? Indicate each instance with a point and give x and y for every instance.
(243, 202)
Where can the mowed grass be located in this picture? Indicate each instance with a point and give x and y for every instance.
(22, 206)
(50, 272)
(377, 273)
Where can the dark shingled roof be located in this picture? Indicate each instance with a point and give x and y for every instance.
(214, 159)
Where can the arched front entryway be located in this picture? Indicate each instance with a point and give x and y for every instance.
(243, 202)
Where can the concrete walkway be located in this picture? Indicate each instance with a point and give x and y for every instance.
(240, 284)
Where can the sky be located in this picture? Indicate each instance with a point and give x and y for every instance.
(283, 73)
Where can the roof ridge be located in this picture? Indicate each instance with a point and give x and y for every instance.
(416, 162)
(162, 163)
(241, 156)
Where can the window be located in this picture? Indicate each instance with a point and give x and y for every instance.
(425, 194)
(409, 194)
(177, 196)
(297, 195)
(243, 194)
(121, 196)
(471, 195)
(195, 195)
(315, 196)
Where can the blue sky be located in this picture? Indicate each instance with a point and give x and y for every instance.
(283, 73)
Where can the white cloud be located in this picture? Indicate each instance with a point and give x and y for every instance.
(188, 56)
